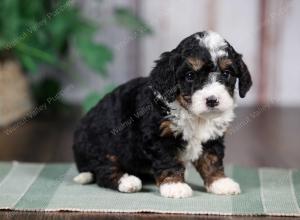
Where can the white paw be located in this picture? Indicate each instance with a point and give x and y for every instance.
(175, 190)
(129, 183)
(224, 186)
(84, 178)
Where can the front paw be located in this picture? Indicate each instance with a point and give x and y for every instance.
(224, 186)
(176, 190)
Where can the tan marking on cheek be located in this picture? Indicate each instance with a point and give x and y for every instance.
(165, 177)
(183, 101)
(224, 63)
(195, 63)
(165, 128)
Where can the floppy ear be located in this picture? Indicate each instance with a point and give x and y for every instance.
(245, 81)
(163, 77)
(242, 72)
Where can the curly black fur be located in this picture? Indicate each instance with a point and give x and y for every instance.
(121, 134)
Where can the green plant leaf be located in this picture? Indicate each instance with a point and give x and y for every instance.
(2, 43)
(10, 18)
(128, 19)
(61, 27)
(37, 53)
(96, 56)
(30, 10)
(42, 32)
(94, 97)
(28, 63)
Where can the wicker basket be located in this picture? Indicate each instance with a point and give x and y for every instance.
(15, 99)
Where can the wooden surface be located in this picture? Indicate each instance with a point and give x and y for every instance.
(6, 215)
(260, 136)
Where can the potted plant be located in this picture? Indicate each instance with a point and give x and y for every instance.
(41, 33)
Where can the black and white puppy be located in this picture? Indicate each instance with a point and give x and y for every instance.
(159, 124)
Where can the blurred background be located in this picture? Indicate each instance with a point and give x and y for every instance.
(60, 57)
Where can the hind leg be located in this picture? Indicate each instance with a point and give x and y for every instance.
(111, 175)
(122, 182)
(104, 169)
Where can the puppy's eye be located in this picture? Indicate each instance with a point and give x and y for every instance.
(189, 77)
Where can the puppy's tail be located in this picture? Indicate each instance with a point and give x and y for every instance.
(84, 178)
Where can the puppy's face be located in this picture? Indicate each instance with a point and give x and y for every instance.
(206, 77)
(205, 69)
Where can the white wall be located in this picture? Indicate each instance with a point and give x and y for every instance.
(288, 88)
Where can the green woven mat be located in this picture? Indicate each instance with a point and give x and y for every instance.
(49, 187)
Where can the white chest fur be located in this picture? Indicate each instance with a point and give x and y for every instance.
(197, 130)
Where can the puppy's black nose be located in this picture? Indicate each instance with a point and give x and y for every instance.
(212, 101)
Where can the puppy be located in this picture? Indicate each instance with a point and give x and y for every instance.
(159, 124)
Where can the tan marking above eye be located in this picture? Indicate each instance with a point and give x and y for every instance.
(196, 63)
(224, 63)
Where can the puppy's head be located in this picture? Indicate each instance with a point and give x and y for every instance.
(201, 74)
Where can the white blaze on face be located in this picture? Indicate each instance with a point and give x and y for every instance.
(212, 88)
(215, 44)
